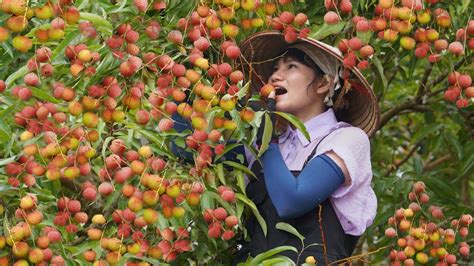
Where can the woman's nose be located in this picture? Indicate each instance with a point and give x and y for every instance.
(276, 76)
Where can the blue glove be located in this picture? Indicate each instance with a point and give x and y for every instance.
(181, 124)
(270, 106)
(294, 196)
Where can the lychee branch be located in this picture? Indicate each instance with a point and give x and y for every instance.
(423, 88)
(442, 77)
(404, 160)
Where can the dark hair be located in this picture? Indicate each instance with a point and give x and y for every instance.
(304, 59)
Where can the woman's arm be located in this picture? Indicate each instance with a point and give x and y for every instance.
(181, 124)
(293, 197)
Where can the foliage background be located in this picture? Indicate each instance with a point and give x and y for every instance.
(421, 136)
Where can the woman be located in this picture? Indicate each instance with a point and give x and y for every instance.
(320, 186)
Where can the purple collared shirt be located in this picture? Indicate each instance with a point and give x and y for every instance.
(354, 202)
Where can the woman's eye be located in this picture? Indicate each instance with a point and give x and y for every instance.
(290, 66)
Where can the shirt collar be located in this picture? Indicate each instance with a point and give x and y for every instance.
(317, 127)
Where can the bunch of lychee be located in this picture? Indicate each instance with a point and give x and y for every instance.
(460, 89)
(24, 170)
(173, 242)
(220, 224)
(24, 250)
(81, 59)
(292, 26)
(355, 52)
(38, 117)
(66, 158)
(126, 38)
(335, 9)
(28, 211)
(69, 210)
(226, 193)
(426, 238)
(21, 12)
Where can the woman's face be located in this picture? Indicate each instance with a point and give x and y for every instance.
(295, 85)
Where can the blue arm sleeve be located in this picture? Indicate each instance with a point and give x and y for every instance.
(180, 125)
(293, 197)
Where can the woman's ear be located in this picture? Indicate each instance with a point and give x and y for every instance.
(325, 85)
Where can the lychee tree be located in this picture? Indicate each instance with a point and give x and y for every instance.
(118, 121)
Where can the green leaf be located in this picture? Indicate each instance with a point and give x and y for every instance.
(412, 64)
(160, 143)
(16, 75)
(278, 261)
(226, 150)
(180, 142)
(118, 9)
(7, 160)
(364, 36)
(141, 258)
(240, 131)
(243, 91)
(267, 134)
(6, 227)
(466, 165)
(290, 229)
(164, 222)
(465, 5)
(4, 136)
(261, 257)
(206, 201)
(240, 167)
(220, 173)
(7, 49)
(106, 63)
(6, 112)
(417, 166)
(295, 121)
(105, 145)
(41, 94)
(97, 21)
(255, 211)
(7, 188)
(222, 202)
(239, 209)
(425, 131)
(114, 197)
(240, 180)
(380, 72)
(66, 41)
(454, 144)
(326, 30)
(77, 250)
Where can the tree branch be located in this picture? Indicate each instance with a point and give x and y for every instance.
(404, 160)
(424, 81)
(442, 77)
(433, 164)
(416, 103)
(387, 115)
(415, 109)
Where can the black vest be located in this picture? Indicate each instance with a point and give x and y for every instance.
(339, 245)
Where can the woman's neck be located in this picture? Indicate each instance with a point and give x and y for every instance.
(309, 115)
(306, 115)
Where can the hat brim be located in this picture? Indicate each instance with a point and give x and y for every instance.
(259, 52)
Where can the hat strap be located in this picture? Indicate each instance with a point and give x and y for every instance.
(340, 103)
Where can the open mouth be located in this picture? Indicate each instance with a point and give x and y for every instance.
(280, 91)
